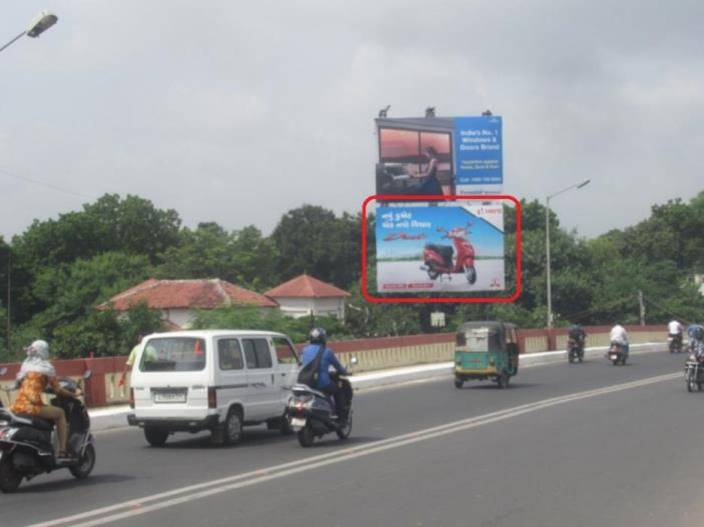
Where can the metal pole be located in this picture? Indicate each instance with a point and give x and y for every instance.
(547, 258)
(14, 40)
(9, 298)
(642, 308)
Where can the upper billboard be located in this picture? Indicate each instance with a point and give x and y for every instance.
(439, 156)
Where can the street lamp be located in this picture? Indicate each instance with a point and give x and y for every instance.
(37, 26)
(547, 239)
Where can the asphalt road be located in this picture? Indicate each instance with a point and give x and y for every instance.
(588, 444)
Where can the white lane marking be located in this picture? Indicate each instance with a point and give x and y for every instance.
(189, 493)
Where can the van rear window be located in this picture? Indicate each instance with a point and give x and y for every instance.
(173, 354)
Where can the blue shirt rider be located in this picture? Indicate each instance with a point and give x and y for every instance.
(325, 384)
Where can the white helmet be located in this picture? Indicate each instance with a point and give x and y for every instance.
(38, 348)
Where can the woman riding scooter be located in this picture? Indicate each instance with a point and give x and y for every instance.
(35, 375)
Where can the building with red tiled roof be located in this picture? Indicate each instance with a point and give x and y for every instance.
(178, 299)
(306, 295)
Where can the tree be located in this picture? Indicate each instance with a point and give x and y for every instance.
(243, 257)
(311, 239)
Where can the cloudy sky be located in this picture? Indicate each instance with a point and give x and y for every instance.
(235, 111)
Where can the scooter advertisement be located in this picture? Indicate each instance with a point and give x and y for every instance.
(448, 247)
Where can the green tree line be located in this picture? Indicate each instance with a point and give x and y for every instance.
(61, 269)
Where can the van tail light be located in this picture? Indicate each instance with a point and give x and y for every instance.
(212, 398)
(132, 398)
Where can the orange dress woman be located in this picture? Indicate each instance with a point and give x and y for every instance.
(35, 375)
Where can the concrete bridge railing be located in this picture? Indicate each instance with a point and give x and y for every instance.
(372, 354)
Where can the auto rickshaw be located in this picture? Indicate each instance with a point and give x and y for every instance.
(486, 350)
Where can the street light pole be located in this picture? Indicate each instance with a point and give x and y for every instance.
(547, 242)
(41, 23)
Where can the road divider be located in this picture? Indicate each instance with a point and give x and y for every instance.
(140, 506)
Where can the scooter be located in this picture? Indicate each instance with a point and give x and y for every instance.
(438, 258)
(28, 444)
(618, 353)
(674, 343)
(311, 413)
(575, 351)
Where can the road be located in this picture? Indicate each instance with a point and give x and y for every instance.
(588, 444)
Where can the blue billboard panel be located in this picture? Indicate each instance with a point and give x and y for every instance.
(440, 248)
(478, 150)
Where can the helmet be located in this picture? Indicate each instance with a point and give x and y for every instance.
(698, 333)
(39, 348)
(317, 336)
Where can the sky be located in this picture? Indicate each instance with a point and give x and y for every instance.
(236, 112)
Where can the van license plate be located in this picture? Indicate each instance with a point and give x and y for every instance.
(297, 421)
(170, 397)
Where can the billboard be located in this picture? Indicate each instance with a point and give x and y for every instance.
(478, 151)
(440, 247)
(439, 155)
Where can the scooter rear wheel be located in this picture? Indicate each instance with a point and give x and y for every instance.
(305, 436)
(10, 479)
(346, 430)
(85, 465)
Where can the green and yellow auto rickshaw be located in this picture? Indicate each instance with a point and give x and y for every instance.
(486, 350)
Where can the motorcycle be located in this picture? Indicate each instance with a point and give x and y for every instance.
(694, 373)
(674, 343)
(618, 353)
(438, 258)
(575, 351)
(311, 413)
(28, 444)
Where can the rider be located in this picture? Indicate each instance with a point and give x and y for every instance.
(35, 375)
(325, 384)
(675, 330)
(697, 342)
(619, 336)
(577, 334)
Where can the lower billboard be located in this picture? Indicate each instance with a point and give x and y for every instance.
(446, 247)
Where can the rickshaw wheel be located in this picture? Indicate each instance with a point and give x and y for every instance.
(503, 380)
(458, 383)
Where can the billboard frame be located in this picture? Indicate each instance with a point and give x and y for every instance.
(445, 299)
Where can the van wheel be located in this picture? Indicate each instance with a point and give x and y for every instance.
(155, 436)
(306, 437)
(10, 479)
(458, 383)
(231, 430)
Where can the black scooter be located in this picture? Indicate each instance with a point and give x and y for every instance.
(311, 413)
(28, 443)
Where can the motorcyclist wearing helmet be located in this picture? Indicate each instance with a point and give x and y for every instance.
(576, 333)
(697, 342)
(35, 375)
(325, 384)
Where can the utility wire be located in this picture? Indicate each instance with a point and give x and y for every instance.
(43, 184)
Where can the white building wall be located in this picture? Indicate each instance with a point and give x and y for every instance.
(301, 307)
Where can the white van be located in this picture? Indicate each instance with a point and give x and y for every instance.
(215, 380)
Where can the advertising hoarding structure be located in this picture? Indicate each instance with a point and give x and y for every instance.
(460, 248)
(440, 155)
(416, 254)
